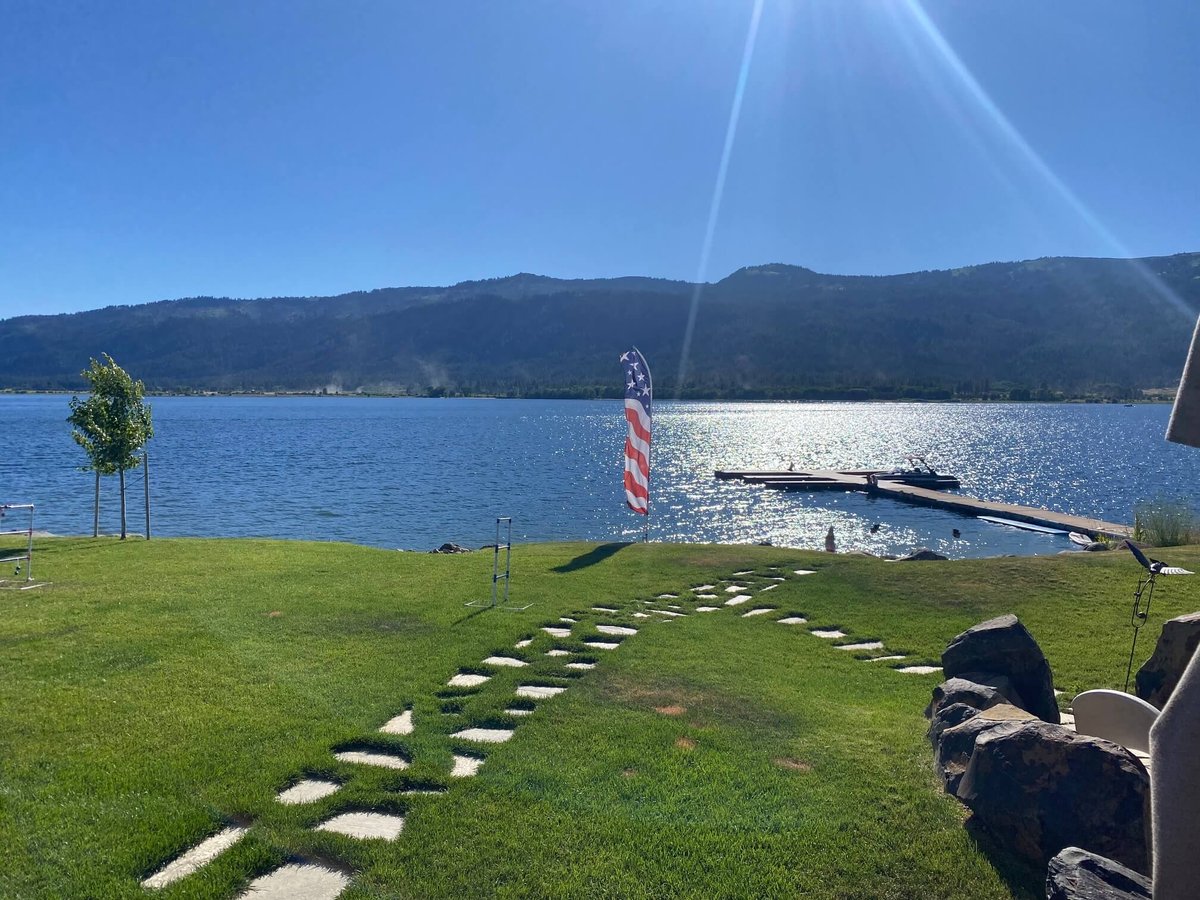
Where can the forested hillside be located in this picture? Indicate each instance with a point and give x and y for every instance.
(1072, 326)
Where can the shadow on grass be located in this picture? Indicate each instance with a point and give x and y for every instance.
(1024, 880)
(593, 556)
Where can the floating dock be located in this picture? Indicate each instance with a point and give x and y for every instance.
(860, 480)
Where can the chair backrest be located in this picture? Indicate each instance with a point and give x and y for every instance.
(1115, 716)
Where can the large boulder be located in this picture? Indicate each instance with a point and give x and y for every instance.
(1176, 646)
(1039, 788)
(977, 689)
(1005, 647)
(1075, 874)
(955, 744)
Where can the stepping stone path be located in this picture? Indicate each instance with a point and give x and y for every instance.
(204, 852)
(510, 661)
(401, 724)
(484, 735)
(468, 679)
(538, 691)
(365, 825)
(369, 758)
(298, 882)
(307, 791)
(615, 629)
(465, 766)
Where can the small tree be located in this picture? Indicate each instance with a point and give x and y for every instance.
(112, 424)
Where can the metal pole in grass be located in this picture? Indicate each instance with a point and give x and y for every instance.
(146, 486)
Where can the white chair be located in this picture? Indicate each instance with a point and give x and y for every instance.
(1115, 716)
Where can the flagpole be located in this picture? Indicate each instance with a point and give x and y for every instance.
(649, 455)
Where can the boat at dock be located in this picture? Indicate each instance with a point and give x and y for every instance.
(917, 472)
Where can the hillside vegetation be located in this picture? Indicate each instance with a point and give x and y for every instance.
(1026, 330)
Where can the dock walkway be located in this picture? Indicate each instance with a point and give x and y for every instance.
(857, 480)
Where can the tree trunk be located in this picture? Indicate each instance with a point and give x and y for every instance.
(122, 474)
(146, 486)
(96, 508)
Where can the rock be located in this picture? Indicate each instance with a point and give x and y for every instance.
(451, 548)
(947, 717)
(1004, 646)
(1039, 788)
(921, 555)
(1096, 546)
(953, 750)
(1075, 874)
(977, 689)
(1176, 646)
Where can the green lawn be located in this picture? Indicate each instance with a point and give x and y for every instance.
(158, 691)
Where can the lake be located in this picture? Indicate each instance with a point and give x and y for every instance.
(413, 473)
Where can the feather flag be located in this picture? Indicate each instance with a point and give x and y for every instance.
(639, 393)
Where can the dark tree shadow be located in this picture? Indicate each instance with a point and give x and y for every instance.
(1025, 881)
(593, 556)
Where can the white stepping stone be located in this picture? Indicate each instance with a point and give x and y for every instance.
(704, 587)
(603, 609)
(367, 758)
(295, 881)
(667, 597)
(865, 645)
(468, 679)
(557, 632)
(307, 791)
(615, 629)
(827, 633)
(738, 600)
(883, 658)
(204, 852)
(567, 619)
(744, 572)
(735, 588)
(805, 572)
(365, 825)
(758, 612)
(792, 620)
(776, 577)
(524, 643)
(641, 615)
(674, 606)
(538, 691)
(484, 735)
(667, 612)
(558, 652)
(401, 724)
(465, 766)
(602, 645)
(918, 670)
(581, 665)
(513, 711)
(706, 596)
(707, 608)
(769, 587)
(510, 661)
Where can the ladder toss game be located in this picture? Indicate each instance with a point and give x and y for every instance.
(25, 557)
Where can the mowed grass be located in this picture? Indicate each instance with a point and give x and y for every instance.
(160, 690)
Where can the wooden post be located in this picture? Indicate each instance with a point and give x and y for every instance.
(96, 508)
(122, 474)
(146, 485)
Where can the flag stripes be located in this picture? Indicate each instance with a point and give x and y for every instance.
(638, 397)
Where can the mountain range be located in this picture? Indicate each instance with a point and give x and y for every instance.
(1040, 328)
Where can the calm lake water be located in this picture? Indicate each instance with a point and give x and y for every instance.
(415, 473)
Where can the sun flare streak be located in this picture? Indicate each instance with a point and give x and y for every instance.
(714, 208)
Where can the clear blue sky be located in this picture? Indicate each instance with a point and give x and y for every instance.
(153, 150)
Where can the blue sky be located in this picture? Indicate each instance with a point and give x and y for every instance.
(154, 150)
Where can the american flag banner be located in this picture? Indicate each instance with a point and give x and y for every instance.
(639, 393)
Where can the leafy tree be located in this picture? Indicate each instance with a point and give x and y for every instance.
(112, 424)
